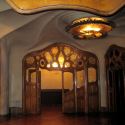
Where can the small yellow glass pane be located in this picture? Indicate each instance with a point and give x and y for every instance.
(80, 78)
(73, 57)
(61, 59)
(55, 64)
(33, 77)
(67, 64)
(91, 74)
(48, 57)
(30, 60)
(67, 51)
(54, 51)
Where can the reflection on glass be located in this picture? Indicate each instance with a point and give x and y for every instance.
(51, 79)
(91, 74)
(33, 77)
(68, 81)
(80, 78)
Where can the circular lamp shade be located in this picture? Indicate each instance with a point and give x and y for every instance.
(89, 28)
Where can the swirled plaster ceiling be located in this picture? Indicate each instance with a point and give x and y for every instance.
(10, 21)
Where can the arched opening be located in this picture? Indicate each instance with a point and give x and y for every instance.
(115, 70)
(77, 73)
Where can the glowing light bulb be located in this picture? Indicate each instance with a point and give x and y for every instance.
(48, 65)
(55, 64)
(90, 28)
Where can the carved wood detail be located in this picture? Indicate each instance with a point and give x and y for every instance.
(87, 95)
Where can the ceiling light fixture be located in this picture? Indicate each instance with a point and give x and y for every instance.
(89, 27)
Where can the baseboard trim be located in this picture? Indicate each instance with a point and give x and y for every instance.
(4, 117)
(15, 111)
(104, 110)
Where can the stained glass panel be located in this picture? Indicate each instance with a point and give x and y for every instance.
(30, 60)
(61, 59)
(54, 51)
(67, 51)
(67, 64)
(48, 57)
(73, 57)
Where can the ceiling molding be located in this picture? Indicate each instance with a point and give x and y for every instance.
(102, 7)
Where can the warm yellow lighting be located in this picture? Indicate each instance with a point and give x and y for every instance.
(61, 60)
(48, 65)
(67, 65)
(91, 27)
(55, 64)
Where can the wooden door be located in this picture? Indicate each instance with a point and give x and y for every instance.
(68, 103)
(80, 86)
(32, 100)
(116, 101)
(92, 88)
(115, 73)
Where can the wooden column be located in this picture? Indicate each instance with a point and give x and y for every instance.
(86, 88)
(62, 91)
(75, 88)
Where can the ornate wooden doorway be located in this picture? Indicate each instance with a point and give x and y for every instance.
(79, 94)
(32, 91)
(115, 70)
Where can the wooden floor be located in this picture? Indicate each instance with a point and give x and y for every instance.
(53, 116)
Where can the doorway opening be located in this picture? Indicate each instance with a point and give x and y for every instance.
(51, 88)
(115, 69)
(60, 75)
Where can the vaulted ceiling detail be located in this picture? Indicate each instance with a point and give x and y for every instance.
(96, 6)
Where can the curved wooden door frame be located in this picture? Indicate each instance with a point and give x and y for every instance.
(107, 68)
(88, 64)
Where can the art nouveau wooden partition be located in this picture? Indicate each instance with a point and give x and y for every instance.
(83, 97)
(115, 72)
